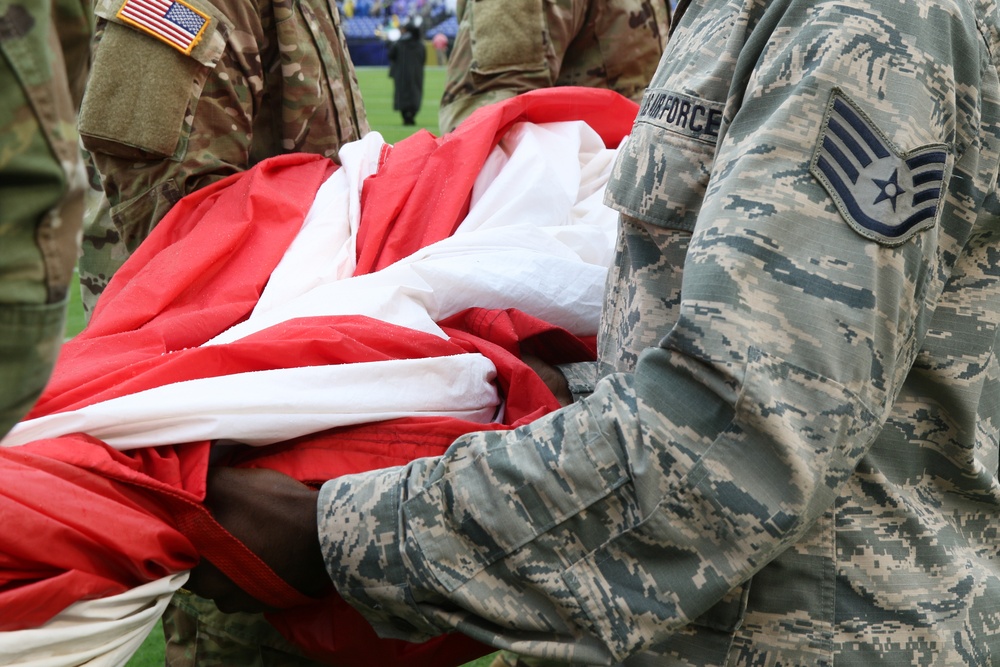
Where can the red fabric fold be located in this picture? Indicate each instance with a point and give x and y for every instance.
(200, 272)
(82, 520)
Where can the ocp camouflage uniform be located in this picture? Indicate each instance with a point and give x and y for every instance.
(198, 634)
(263, 78)
(802, 468)
(44, 46)
(507, 47)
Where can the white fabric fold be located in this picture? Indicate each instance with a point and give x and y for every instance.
(93, 633)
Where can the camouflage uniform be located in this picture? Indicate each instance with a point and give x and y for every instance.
(802, 467)
(601, 44)
(262, 78)
(197, 633)
(44, 46)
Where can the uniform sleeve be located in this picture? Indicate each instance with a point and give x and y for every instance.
(504, 48)
(602, 529)
(177, 123)
(162, 119)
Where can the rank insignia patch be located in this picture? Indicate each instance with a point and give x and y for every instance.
(172, 21)
(884, 195)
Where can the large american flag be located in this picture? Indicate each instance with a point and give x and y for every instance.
(173, 21)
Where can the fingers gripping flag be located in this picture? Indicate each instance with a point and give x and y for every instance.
(883, 194)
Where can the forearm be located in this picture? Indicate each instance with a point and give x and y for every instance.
(538, 533)
(433, 546)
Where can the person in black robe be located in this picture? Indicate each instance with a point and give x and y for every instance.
(406, 67)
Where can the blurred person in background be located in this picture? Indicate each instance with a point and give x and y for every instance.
(440, 42)
(407, 56)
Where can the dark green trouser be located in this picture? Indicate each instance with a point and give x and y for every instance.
(41, 188)
(30, 336)
(197, 634)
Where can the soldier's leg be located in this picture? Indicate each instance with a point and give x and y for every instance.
(40, 202)
(197, 634)
(102, 250)
(510, 659)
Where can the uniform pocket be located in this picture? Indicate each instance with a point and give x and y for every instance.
(140, 89)
(135, 218)
(664, 167)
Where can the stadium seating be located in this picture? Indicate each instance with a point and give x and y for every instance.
(364, 32)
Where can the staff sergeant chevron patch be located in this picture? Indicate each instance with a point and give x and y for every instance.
(884, 195)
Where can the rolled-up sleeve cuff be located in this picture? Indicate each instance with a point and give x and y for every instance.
(358, 518)
(581, 378)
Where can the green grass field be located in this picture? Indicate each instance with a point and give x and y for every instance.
(376, 89)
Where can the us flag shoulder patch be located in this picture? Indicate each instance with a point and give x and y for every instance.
(172, 21)
(883, 194)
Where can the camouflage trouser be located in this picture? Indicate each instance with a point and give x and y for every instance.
(30, 336)
(508, 659)
(41, 191)
(198, 634)
(96, 268)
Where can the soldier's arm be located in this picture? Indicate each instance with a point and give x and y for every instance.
(165, 115)
(603, 528)
(504, 48)
(43, 65)
(162, 119)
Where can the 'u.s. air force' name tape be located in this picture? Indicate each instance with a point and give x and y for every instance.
(884, 194)
(690, 116)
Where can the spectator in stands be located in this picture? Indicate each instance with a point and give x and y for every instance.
(440, 42)
(406, 67)
(171, 109)
(612, 44)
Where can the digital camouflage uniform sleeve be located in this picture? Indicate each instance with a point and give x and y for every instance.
(802, 469)
(161, 121)
(507, 47)
(44, 46)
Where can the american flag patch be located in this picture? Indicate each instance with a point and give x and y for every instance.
(173, 21)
